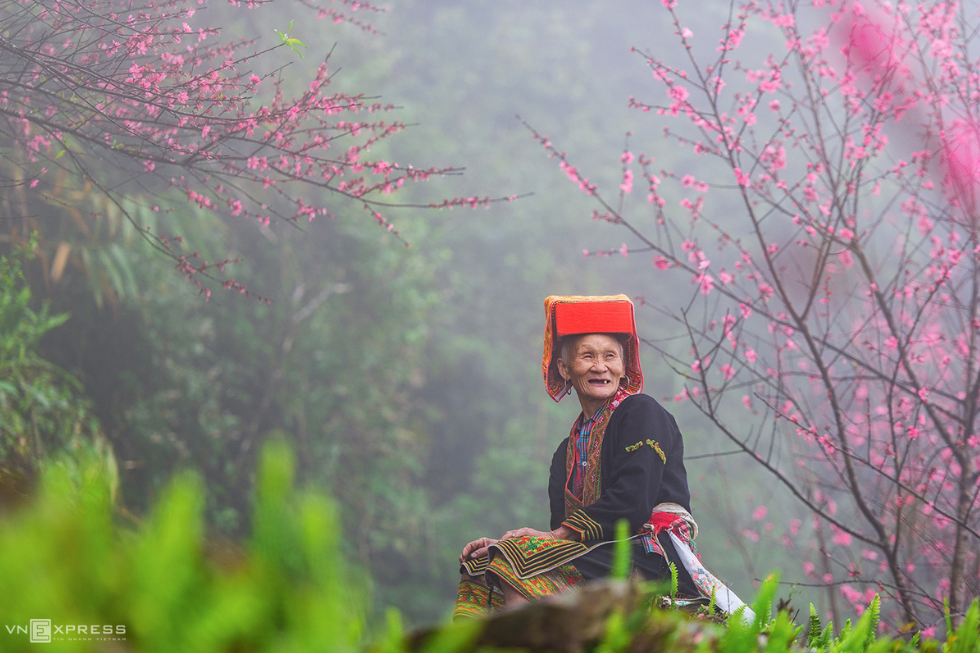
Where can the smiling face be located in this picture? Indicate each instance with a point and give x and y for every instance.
(594, 365)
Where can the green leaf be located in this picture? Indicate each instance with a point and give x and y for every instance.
(622, 551)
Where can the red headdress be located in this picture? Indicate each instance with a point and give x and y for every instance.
(576, 315)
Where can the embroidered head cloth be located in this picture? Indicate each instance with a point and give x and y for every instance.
(576, 315)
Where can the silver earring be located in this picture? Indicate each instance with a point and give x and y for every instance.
(627, 379)
(568, 388)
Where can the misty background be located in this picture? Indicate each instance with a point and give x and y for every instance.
(408, 379)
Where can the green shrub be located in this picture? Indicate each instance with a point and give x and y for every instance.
(42, 407)
(162, 586)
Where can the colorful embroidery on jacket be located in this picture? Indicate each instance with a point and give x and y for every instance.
(592, 479)
(652, 443)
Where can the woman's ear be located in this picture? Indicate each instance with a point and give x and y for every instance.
(563, 370)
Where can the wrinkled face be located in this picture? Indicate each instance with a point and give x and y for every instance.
(595, 366)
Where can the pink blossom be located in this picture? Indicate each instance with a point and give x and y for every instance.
(707, 282)
(842, 538)
(627, 185)
(679, 93)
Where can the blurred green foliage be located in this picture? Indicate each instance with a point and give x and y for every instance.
(164, 585)
(167, 583)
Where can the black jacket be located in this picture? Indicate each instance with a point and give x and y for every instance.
(634, 476)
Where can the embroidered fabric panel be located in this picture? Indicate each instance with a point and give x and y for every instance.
(592, 476)
(476, 599)
(578, 444)
(529, 556)
(558, 580)
(589, 529)
(475, 566)
(672, 523)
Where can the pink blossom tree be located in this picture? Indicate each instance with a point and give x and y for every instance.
(150, 100)
(825, 215)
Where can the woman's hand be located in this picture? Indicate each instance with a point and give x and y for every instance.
(527, 532)
(476, 548)
(479, 547)
(560, 533)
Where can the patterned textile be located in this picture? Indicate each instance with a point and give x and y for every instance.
(556, 581)
(579, 439)
(672, 518)
(678, 524)
(476, 599)
(534, 566)
(592, 474)
(529, 556)
(552, 334)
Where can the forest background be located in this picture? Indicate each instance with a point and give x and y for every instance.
(406, 378)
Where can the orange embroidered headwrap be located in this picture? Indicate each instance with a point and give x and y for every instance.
(576, 315)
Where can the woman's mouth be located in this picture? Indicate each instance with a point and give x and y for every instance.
(599, 381)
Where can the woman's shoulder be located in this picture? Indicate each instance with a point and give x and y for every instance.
(640, 403)
(643, 408)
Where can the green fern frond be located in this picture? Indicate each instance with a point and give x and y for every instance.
(815, 627)
(826, 636)
(874, 617)
(966, 639)
(949, 619)
(673, 582)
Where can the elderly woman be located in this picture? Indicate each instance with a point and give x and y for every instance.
(624, 459)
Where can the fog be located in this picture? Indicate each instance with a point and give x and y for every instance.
(408, 379)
